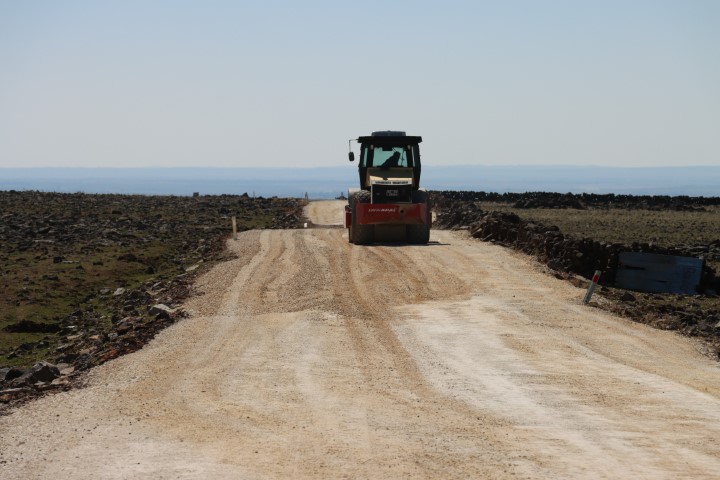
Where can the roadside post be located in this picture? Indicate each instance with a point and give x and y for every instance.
(234, 225)
(591, 287)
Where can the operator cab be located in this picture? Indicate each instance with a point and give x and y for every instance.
(393, 153)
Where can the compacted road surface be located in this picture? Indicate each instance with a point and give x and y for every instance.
(308, 357)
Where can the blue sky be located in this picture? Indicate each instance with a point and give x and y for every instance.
(280, 83)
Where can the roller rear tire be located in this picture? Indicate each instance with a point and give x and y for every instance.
(351, 202)
(361, 234)
(420, 234)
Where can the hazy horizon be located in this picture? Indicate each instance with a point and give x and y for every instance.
(329, 182)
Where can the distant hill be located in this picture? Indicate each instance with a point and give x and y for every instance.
(329, 182)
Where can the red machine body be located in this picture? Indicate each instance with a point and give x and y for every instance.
(388, 214)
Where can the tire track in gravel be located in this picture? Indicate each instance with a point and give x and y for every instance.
(389, 370)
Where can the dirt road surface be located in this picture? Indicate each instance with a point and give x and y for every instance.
(308, 357)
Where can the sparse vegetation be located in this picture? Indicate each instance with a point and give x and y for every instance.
(64, 256)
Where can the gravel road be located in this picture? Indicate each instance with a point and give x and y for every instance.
(308, 357)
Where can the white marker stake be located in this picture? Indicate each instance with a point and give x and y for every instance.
(234, 222)
(305, 225)
(591, 287)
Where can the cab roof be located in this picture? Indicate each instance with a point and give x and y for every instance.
(389, 140)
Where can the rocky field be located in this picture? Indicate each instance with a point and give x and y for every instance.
(574, 235)
(86, 278)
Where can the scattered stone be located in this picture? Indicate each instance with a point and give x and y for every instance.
(29, 326)
(119, 292)
(27, 346)
(627, 297)
(60, 381)
(160, 310)
(10, 373)
(44, 372)
(40, 372)
(10, 391)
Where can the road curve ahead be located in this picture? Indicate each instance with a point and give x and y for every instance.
(308, 357)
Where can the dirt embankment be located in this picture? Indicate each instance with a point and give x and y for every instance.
(308, 357)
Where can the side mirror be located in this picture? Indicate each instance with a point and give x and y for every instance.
(351, 156)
